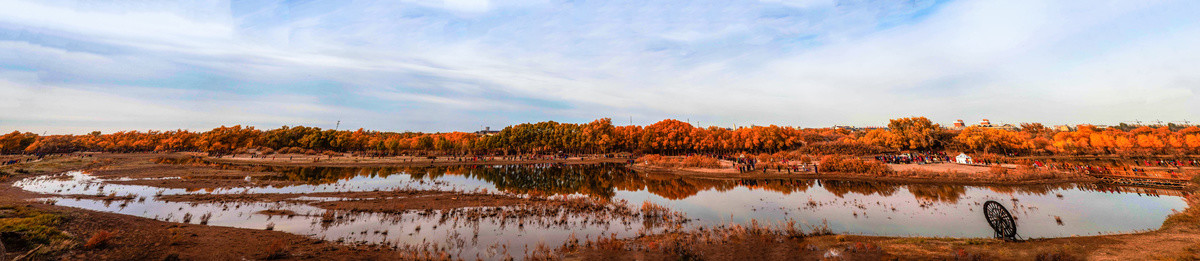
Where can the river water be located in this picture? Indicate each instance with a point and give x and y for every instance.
(846, 207)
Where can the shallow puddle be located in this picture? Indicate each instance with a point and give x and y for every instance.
(868, 208)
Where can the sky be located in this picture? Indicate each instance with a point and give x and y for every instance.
(460, 65)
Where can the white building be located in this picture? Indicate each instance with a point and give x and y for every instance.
(962, 158)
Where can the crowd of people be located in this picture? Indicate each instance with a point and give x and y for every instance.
(1135, 168)
(915, 158)
(745, 165)
(15, 161)
(1168, 163)
(10, 162)
(1078, 168)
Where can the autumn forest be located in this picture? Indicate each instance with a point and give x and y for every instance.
(671, 137)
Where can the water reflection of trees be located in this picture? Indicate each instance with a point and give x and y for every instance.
(1039, 189)
(842, 187)
(680, 188)
(591, 180)
(600, 180)
(603, 180)
(950, 193)
(937, 192)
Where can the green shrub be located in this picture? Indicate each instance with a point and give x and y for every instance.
(21, 227)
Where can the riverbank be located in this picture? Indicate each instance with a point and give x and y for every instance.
(301, 160)
(907, 175)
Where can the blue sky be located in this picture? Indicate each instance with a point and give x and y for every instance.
(429, 65)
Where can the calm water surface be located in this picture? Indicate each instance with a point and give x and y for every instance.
(868, 208)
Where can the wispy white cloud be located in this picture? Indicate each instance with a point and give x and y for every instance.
(389, 65)
(78, 109)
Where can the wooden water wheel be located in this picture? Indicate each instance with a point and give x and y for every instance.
(1000, 220)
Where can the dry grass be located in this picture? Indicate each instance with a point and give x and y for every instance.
(997, 170)
(993, 174)
(99, 240)
(850, 164)
(328, 217)
(848, 148)
(964, 255)
(755, 240)
(277, 250)
(1189, 253)
(694, 161)
(176, 237)
(1056, 254)
(651, 210)
(1190, 215)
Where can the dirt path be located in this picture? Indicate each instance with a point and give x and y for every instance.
(941, 167)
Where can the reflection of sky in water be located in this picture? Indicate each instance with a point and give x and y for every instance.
(1083, 212)
(899, 212)
(411, 228)
(377, 228)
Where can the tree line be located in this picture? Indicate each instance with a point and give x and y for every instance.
(669, 136)
(1036, 139)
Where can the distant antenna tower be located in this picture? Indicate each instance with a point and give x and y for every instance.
(339, 125)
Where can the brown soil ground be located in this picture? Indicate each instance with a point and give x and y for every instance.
(941, 167)
(146, 239)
